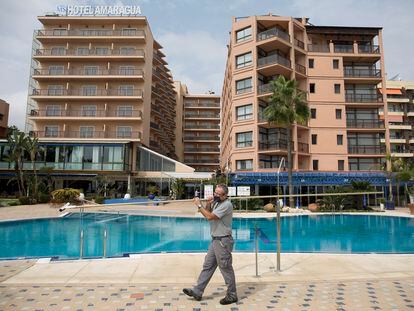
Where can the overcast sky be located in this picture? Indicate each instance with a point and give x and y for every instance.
(194, 34)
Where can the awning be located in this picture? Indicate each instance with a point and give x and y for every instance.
(392, 91)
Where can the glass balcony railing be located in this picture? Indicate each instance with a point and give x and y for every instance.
(362, 73)
(277, 145)
(90, 52)
(264, 88)
(368, 49)
(273, 59)
(273, 32)
(366, 149)
(343, 48)
(201, 149)
(201, 115)
(202, 126)
(212, 138)
(90, 33)
(88, 92)
(87, 134)
(318, 48)
(88, 72)
(365, 123)
(363, 98)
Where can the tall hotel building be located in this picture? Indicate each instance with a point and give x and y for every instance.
(339, 68)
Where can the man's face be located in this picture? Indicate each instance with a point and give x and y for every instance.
(219, 195)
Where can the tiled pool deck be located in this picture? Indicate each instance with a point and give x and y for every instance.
(154, 282)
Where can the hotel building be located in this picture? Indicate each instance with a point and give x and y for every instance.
(338, 67)
(4, 118)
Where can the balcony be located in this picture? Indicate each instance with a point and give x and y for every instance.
(265, 88)
(343, 48)
(299, 43)
(204, 161)
(201, 149)
(201, 105)
(89, 73)
(90, 33)
(65, 53)
(363, 98)
(134, 135)
(202, 115)
(277, 145)
(368, 49)
(273, 59)
(365, 124)
(400, 125)
(202, 126)
(303, 147)
(85, 93)
(366, 149)
(361, 73)
(200, 138)
(301, 69)
(318, 48)
(271, 33)
(50, 114)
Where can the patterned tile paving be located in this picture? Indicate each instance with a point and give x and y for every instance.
(386, 294)
(8, 268)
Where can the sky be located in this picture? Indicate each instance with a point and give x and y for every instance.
(194, 34)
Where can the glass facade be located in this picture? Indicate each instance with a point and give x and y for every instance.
(150, 161)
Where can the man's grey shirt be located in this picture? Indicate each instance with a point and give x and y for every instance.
(224, 211)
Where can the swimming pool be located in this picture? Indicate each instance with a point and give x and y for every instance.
(146, 234)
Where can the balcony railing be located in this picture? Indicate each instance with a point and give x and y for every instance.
(212, 138)
(87, 134)
(202, 126)
(273, 32)
(90, 52)
(277, 145)
(88, 72)
(86, 113)
(299, 43)
(303, 147)
(362, 73)
(91, 33)
(375, 149)
(363, 98)
(300, 68)
(273, 59)
(264, 88)
(81, 92)
(318, 48)
(343, 48)
(201, 161)
(365, 123)
(190, 149)
(368, 49)
(201, 115)
(196, 105)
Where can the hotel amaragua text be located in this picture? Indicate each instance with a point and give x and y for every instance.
(89, 10)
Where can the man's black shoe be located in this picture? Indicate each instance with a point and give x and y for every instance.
(228, 300)
(190, 292)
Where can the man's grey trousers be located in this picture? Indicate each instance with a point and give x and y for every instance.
(219, 254)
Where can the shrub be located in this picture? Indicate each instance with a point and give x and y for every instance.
(65, 195)
(25, 200)
(99, 200)
(252, 204)
(44, 198)
(13, 203)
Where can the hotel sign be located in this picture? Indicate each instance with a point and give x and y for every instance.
(100, 10)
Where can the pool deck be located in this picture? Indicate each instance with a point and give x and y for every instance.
(154, 282)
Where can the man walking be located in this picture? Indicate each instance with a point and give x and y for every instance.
(219, 212)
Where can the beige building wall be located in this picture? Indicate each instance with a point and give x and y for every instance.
(4, 118)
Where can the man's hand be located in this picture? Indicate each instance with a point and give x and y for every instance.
(210, 199)
(197, 201)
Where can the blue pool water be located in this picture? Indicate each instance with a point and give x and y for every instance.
(147, 234)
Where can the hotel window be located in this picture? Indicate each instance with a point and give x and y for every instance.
(102, 51)
(244, 86)
(91, 70)
(314, 139)
(339, 140)
(55, 90)
(315, 165)
(341, 165)
(89, 90)
(123, 132)
(53, 110)
(335, 63)
(127, 50)
(56, 70)
(89, 111)
(338, 114)
(126, 70)
(51, 131)
(129, 31)
(244, 112)
(244, 34)
(311, 63)
(124, 111)
(244, 60)
(313, 113)
(244, 165)
(60, 31)
(337, 88)
(86, 131)
(84, 50)
(244, 139)
(312, 88)
(126, 90)
(58, 50)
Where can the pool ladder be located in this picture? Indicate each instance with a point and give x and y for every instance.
(105, 237)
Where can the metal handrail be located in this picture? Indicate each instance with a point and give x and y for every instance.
(356, 72)
(90, 32)
(365, 123)
(273, 59)
(89, 52)
(88, 72)
(273, 32)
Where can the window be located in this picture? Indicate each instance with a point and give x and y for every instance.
(244, 139)
(244, 86)
(129, 31)
(88, 111)
(244, 165)
(315, 165)
(339, 140)
(335, 63)
(337, 88)
(90, 70)
(244, 112)
(126, 70)
(313, 113)
(341, 165)
(123, 132)
(314, 139)
(312, 87)
(244, 34)
(126, 90)
(124, 111)
(244, 60)
(311, 63)
(86, 131)
(89, 90)
(102, 51)
(55, 90)
(60, 32)
(51, 131)
(53, 110)
(82, 51)
(56, 70)
(58, 50)
(338, 114)
(127, 50)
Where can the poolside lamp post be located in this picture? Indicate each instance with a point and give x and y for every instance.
(278, 216)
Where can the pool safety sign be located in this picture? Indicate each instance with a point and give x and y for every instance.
(232, 191)
(243, 191)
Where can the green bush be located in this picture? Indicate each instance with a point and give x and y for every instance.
(252, 204)
(99, 200)
(65, 195)
(44, 198)
(25, 200)
(13, 203)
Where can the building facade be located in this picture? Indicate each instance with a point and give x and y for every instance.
(4, 118)
(339, 68)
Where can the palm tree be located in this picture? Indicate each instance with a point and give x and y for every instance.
(287, 106)
(16, 141)
(32, 147)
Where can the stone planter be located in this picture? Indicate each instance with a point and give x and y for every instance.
(269, 207)
(313, 207)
